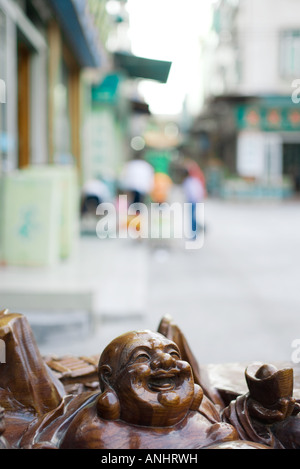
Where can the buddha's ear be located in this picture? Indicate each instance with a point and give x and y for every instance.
(104, 373)
(108, 405)
(198, 396)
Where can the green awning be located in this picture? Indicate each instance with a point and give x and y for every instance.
(140, 67)
(107, 90)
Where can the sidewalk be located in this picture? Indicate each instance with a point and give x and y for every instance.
(104, 279)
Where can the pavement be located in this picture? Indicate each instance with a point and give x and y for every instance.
(236, 299)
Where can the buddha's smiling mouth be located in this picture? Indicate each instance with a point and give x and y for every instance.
(161, 383)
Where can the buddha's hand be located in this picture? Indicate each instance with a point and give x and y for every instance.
(284, 408)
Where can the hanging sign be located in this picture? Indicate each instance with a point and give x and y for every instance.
(268, 119)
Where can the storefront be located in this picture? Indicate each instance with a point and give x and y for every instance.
(23, 63)
(255, 141)
(269, 140)
(44, 47)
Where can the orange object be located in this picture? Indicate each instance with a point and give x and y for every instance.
(162, 185)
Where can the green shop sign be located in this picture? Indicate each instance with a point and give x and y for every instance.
(107, 90)
(268, 116)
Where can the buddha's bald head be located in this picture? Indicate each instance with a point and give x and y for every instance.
(118, 354)
(145, 371)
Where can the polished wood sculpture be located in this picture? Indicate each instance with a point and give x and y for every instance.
(150, 393)
(262, 414)
(3, 442)
(147, 399)
(27, 386)
(169, 329)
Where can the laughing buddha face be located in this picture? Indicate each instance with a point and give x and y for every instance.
(142, 374)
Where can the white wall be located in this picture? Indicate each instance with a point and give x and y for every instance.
(259, 26)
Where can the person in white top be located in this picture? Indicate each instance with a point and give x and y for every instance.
(137, 179)
(94, 192)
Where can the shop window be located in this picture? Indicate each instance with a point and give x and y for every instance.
(64, 112)
(62, 121)
(290, 54)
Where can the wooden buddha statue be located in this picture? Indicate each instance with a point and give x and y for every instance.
(148, 399)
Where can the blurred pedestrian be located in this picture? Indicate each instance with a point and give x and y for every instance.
(137, 179)
(94, 192)
(195, 192)
(161, 188)
(195, 171)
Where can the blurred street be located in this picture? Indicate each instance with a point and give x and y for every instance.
(97, 113)
(236, 299)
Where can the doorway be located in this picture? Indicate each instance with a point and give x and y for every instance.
(291, 163)
(23, 105)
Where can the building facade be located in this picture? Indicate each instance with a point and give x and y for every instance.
(45, 45)
(252, 64)
(45, 48)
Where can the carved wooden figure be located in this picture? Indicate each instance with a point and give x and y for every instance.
(169, 329)
(148, 399)
(151, 394)
(262, 414)
(3, 442)
(27, 386)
